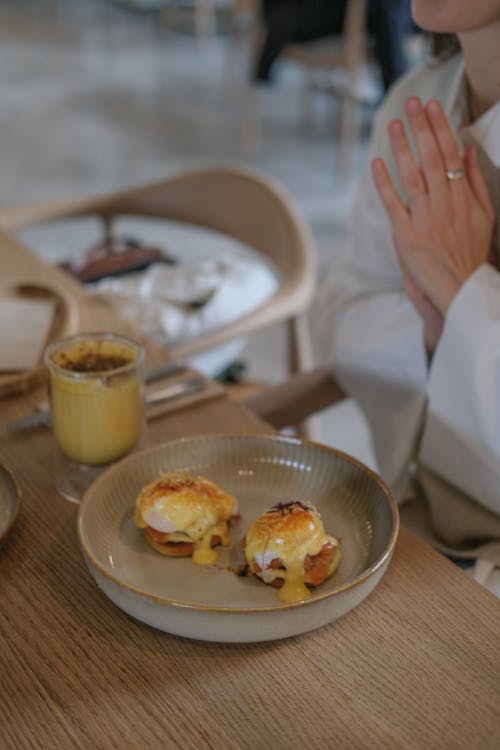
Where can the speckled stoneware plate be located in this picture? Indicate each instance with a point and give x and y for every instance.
(10, 502)
(214, 603)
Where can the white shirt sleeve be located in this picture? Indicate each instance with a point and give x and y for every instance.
(461, 439)
(372, 338)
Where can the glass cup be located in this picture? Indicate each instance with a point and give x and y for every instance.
(96, 383)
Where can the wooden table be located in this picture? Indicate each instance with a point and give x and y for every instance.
(416, 665)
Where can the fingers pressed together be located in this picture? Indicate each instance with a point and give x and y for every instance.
(442, 231)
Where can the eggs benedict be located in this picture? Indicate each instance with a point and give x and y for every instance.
(184, 515)
(287, 547)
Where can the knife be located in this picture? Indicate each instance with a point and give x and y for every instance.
(165, 369)
(172, 392)
(41, 417)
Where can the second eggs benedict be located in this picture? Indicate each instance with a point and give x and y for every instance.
(287, 547)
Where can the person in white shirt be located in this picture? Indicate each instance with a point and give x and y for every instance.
(412, 310)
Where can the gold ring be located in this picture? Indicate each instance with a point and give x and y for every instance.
(455, 174)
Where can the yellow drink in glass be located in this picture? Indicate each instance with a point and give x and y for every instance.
(96, 391)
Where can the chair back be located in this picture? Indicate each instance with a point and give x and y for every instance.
(235, 202)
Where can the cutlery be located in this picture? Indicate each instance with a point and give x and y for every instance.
(165, 369)
(41, 417)
(171, 392)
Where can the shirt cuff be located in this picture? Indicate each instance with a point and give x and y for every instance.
(460, 440)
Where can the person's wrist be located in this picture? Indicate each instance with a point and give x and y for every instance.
(447, 294)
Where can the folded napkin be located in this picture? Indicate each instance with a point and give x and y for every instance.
(24, 328)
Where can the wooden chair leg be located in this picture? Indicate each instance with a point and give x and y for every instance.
(300, 353)
(301, 360)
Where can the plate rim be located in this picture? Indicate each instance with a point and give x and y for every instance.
(279, 606)
(17, 502)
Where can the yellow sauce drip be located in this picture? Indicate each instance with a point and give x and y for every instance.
(204, 553)
(294, 587)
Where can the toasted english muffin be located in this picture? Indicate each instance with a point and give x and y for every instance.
(287, 547)
(185, 515)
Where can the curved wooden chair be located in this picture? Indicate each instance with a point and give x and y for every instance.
(294, 402)
(237, 203)
(349, 51)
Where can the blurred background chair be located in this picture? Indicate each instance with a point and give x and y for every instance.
(200, 16)
(235, 202)
(205, 19)
(293, 402)
(336, 43)
(346, 52)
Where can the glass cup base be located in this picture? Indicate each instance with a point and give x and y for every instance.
(75, 480)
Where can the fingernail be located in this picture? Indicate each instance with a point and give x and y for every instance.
(433, 108)
(413, 105)
(396, 127)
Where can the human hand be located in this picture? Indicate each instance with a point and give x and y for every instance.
(431, 317)
(444, 233)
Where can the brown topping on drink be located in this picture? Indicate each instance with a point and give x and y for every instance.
(92, 362)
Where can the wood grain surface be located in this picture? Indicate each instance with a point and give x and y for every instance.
(416, 665)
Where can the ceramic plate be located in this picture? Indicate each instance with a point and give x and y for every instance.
(214, 603)
(10, 502)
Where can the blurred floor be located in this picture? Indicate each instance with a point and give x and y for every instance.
(95, 97)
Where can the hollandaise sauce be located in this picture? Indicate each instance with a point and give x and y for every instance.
(294, 589)
(181, 508)
(204, 553)
(279, 543)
